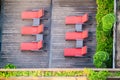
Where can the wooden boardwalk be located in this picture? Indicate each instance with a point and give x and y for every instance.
(52, 55)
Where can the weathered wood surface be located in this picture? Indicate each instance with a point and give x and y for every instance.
(118, 41)
(48, 57)
(11, 35)
(61, 9)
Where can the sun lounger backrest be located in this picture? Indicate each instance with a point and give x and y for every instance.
(85, 34)
(40, 28)
(84, 50)
(40, 13)
(84, 18)
(39, 44)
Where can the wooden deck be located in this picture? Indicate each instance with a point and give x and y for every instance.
(118, 42)
(61, 9)
(11, 36)
(52, 55)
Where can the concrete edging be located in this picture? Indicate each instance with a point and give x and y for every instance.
(46, 78)
(61, 69)
(114, 38)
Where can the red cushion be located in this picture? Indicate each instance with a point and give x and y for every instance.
(76, 19)
(84, 18)
(29, 30)
(40, 13)
(31, 45)
(75, 51)
(76, 35)
(39, 46)
(32, 14)
(29, 14)
(40, 28)
(73, 19)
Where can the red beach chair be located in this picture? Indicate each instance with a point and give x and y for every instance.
(75, 51)
(31, 46)
(76, 19)
(76, 35)
(31, 30)
(32, 14)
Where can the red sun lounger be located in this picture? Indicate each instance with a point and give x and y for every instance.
(76, 19)
(76, 35)
(32, 14)
(31, 46)
(75, 51)
(31, 30)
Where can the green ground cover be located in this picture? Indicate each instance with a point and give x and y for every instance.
(104, 33)
(91, 74)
